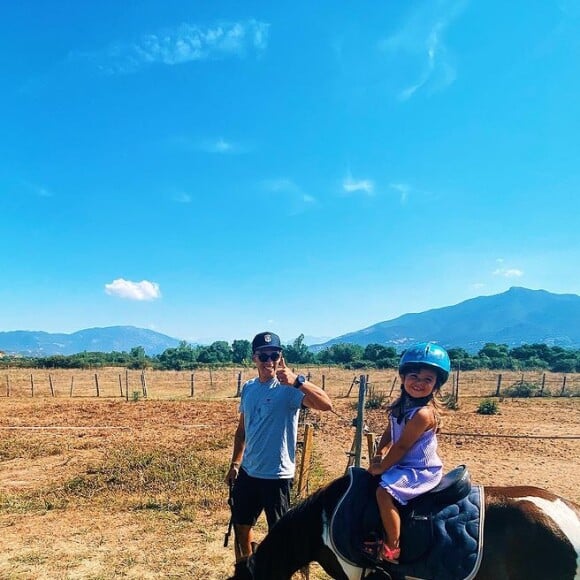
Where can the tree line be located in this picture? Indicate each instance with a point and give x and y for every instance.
(221, 353)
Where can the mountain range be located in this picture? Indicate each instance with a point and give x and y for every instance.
(517, 316)
(109, 339)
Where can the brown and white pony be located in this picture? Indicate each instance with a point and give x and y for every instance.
(530, 534)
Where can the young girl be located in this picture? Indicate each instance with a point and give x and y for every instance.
(407, 458)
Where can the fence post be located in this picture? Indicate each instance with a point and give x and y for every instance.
(498, 385)
(50, 383)
(97, 385)
(7, 386)
(543, 384)
(72, 382)
(144, 383)
(360, 420)
(31, 386)
(563, 386)
(371, 446)
(239, 389)
(305, 462)
(192, 389)
(324, 382)
(457, 383)
(210, 378)
(127, 385)
(393, 386)
(354, 381)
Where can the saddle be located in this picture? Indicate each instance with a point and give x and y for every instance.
(441, 531)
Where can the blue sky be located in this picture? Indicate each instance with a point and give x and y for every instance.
(213, 169)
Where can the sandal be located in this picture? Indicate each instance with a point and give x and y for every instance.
(390, 555)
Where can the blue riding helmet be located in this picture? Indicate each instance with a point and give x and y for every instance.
(428, 354)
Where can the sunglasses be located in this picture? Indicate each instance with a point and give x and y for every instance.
(263, 357)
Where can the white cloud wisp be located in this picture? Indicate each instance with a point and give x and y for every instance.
(183, 44)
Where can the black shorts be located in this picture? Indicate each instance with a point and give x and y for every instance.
(251, 495)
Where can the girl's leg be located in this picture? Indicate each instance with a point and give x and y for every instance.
(390, 517)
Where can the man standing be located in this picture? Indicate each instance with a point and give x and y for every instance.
(263, 460)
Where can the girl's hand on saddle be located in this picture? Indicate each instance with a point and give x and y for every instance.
(375, 467)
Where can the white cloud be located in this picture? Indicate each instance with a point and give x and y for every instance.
(182, 198)
(351, 185)
(403, 189)
(508, 272)
(143, 290)
(219, 146)
(422, 42)
(477, 286)
(298, 200)
(182, 44)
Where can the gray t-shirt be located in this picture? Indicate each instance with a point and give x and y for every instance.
(271, 424)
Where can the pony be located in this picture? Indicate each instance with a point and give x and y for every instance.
(529, 534)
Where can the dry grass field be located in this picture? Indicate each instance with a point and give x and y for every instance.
(102, 488)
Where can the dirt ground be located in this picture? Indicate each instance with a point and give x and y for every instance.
(67, 513)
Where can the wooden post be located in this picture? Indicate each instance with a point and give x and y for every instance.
(31, 386)
(354, 381)
(498, 385)
(324, 382)
(144, 383)
(305, 462)
(239, 389)
(351, 455)
(72, 382)
(360, 420)
(370, 446)
(393, 385)
(51, 386)
(127, 385)
(563, 386)
(210, 378)
(7, 386)
(457, 384)
(97, 385)
(192, 391)
(308, 376)
(543, 384)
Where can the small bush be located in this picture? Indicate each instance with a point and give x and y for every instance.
(488, 407)
(450, 402)
(522, 389)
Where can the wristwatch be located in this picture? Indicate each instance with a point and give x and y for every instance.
(300, 380)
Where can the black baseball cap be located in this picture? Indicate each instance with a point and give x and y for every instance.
(266, 340)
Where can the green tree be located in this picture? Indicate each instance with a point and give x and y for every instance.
(241, 351)
(298, 352)
(182, 357)
(216, 353)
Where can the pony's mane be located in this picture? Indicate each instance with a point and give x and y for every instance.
(325, 497)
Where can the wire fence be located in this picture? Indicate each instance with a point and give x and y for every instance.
(227, 382)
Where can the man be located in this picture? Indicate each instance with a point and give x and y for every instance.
(263, 460)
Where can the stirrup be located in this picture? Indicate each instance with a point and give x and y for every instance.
(373, 547)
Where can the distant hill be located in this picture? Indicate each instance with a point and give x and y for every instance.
(518, 316)
(108, 339)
